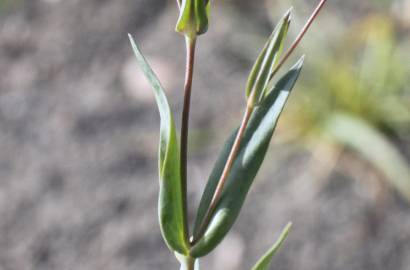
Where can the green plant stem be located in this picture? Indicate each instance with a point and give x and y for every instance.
(187, 263)
(249, 109)
(190, 48)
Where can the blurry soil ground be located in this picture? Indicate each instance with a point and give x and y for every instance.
(78, 144)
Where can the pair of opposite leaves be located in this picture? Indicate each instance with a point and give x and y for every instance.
(269, 101)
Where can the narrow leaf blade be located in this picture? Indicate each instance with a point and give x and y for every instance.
(170, 206)
(246, 165)
(266, 61)
(266, 260)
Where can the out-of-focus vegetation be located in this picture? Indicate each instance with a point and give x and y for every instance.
(355, 97)
(5, 5)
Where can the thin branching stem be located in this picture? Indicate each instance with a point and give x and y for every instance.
(190, 48)
(236, 146)
(225, 173)
(299, 37)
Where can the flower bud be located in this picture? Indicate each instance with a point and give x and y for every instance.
(193, 17)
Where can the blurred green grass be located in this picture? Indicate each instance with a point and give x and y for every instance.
(6, 5)
(355, 97)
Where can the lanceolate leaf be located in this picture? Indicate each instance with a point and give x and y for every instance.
(267, 59)
(252, 151)
(266, 260)
(171, 208)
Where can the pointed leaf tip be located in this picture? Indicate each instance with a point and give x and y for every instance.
(255, 143)
(288, 14)
(300, 62)
(260, 74)
(266, 260)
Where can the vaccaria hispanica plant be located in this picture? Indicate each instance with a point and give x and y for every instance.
(242, 154)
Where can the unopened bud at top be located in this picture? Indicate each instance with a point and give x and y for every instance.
(193, 17)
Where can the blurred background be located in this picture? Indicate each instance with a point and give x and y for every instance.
(79, 132)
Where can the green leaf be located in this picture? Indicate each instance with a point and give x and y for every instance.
(193, 17)
(171, 208)
(373, 146)
(252, 151)
(266, 61)
(266, 260)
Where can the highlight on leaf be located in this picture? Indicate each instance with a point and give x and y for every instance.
(242, 156)
(252, 151)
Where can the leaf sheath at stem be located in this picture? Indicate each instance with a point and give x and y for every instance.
(187, 263)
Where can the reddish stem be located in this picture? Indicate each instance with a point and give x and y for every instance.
(190, 48)
(235, 148)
